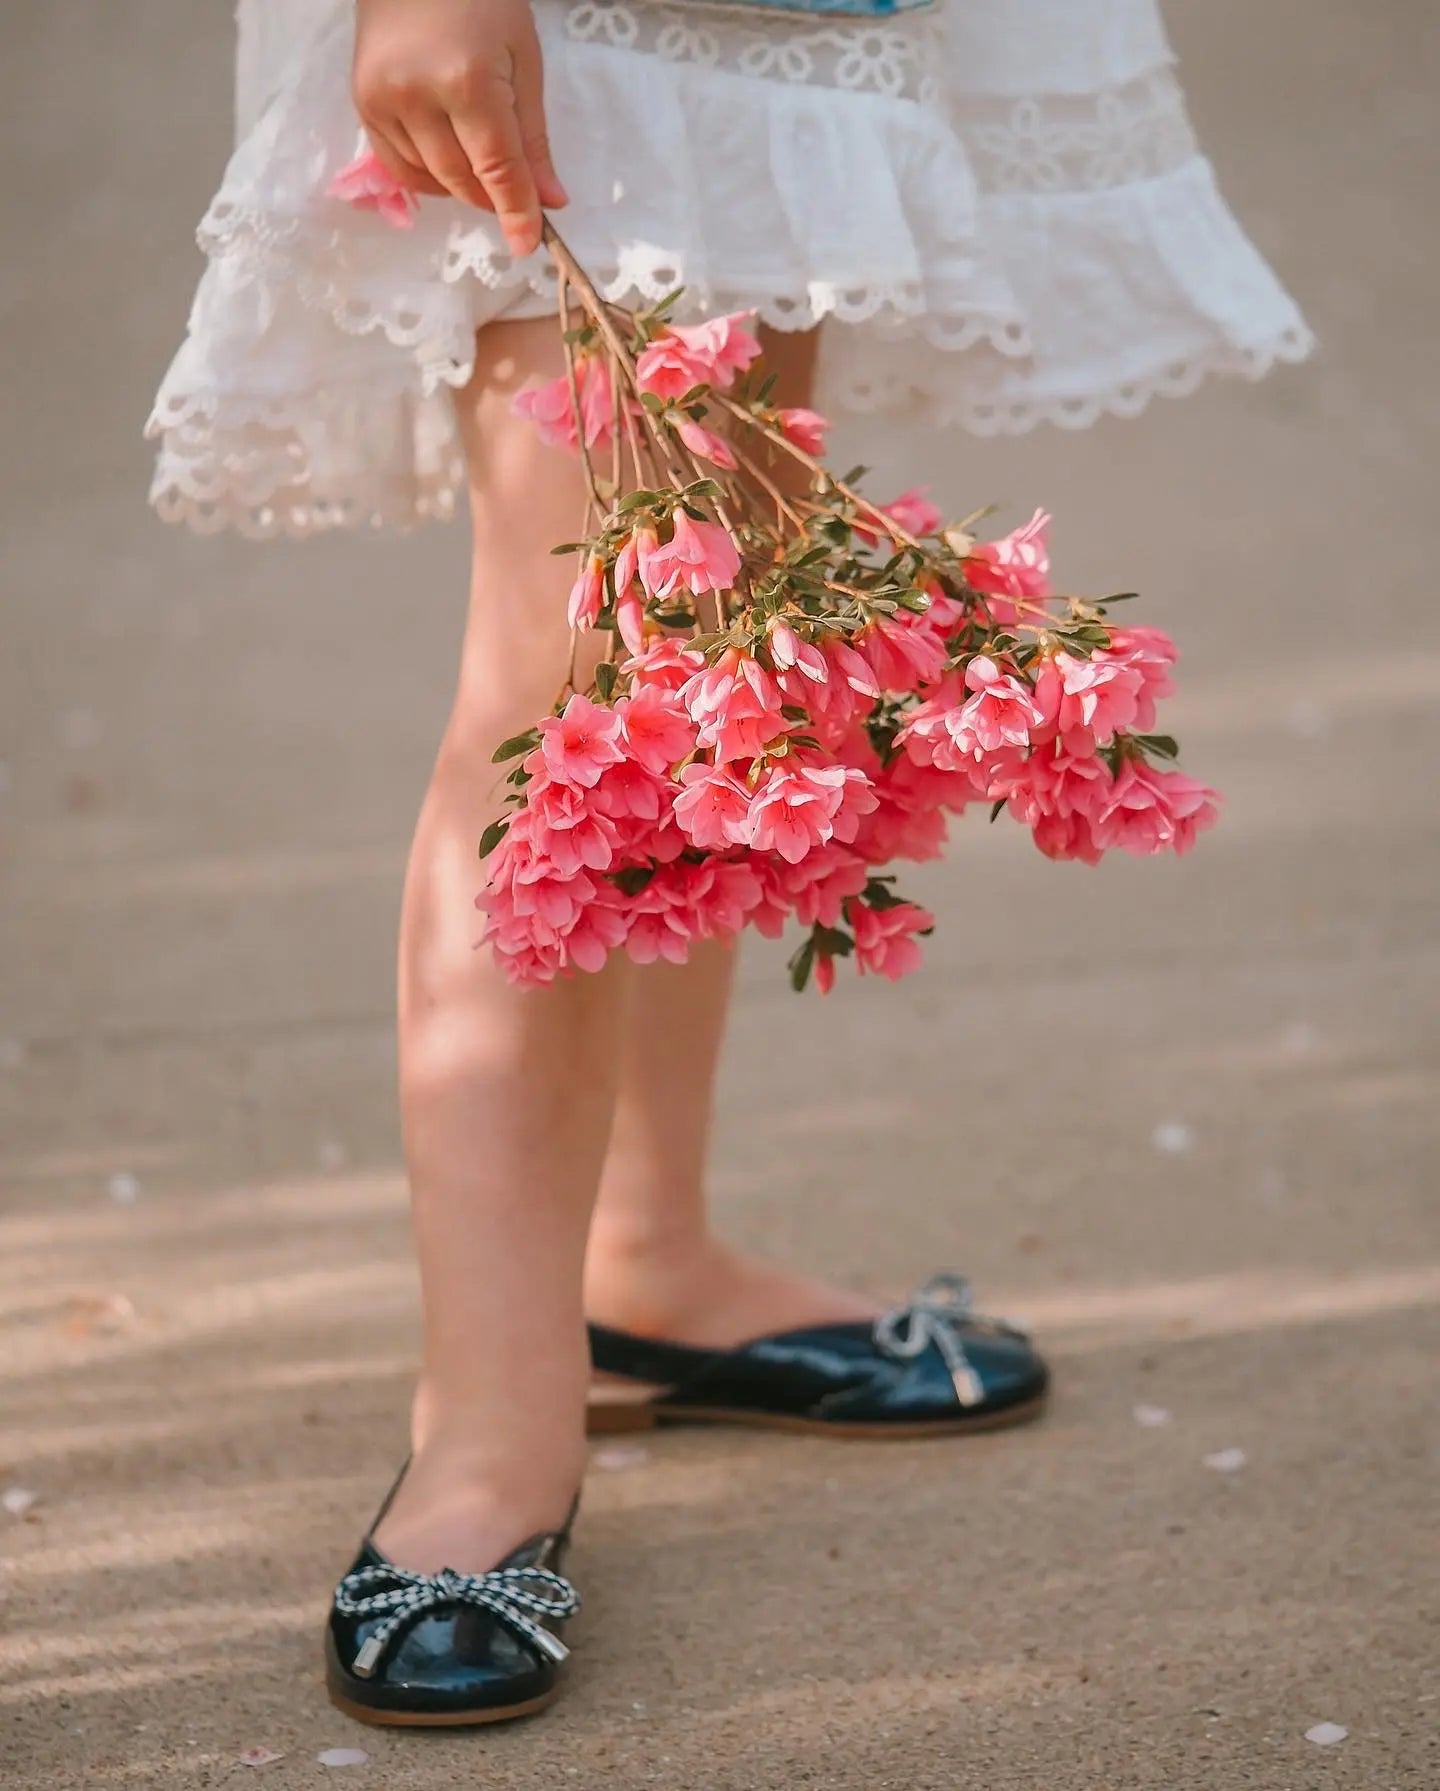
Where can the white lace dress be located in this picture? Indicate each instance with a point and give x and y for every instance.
(997, 207)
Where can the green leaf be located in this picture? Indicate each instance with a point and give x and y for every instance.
(1164, 746)
(606, 675)
(570, 547)
(833, 943)
(1116, 597)
(492, 837)
(996, 808)
(636, 500)
(515, 746)
(704, 488)
(801, 965)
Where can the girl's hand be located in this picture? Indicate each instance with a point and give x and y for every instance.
(450, 92)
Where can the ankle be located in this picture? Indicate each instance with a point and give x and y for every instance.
(647, 1278)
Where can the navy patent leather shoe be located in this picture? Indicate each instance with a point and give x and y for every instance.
(931, 1366)
(446, 1650)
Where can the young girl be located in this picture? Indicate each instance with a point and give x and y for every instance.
(998, 213)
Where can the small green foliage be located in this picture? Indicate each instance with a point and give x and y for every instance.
(492, 837)
(606, 674)
(515, 746)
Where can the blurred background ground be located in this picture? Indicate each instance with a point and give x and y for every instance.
(1181, 1116)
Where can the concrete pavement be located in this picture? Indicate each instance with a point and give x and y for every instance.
(1181, 1116)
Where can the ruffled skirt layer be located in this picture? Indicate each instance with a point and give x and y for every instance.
(980, 255)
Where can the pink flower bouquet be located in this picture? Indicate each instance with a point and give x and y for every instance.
(789, 687)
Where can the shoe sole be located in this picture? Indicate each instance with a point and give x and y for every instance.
(447, 1719)
(610, 1418)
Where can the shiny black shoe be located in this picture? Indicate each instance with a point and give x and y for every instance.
(930, 1367)
(447, 1650)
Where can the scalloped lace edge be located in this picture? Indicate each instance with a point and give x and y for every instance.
(435, 499)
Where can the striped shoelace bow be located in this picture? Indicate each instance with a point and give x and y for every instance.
(516, 1595)
(939, 1314)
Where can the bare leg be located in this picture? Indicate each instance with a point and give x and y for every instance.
(506, 1095)
(654, 1266)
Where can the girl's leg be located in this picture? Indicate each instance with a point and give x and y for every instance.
(506, 1095)
(654, 1265)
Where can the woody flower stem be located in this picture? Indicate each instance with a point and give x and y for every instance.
(781, 440)
(572, 274)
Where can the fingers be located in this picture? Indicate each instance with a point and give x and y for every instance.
(529, 84)
(394, 149)
(490, 135)
(445, 157)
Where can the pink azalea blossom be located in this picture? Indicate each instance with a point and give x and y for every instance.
(600, 929)
(698, 557)
(1088, 701)
(736, 705)
(580, 742)
(902, 652)
(912, 511)
(824, 971)
(658, 732)
(688, 355)
(630, 620)
(787, 650)
(368, 185)
(548, 406)
(628, 793)
(885, 938)
(806, 428)
(666, 664)
(567, 830)
(713, 810)
(1151, 811)
(1017, 565)
(852, 667)
(1001, 712)
(587, 594)
(793, 810)
(1149, 653)
(704, 442)
(627, 559)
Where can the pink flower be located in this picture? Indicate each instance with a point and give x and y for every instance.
(787, 650)
(1088, 701)
(1149, 811)
(628, 792)
(1017, 565)
(714, 808)
(704, 442)
(903, 654)
(1149, 653)
(1001, 712)
(666, 664)
(658, 732)
(852, 668)
(601, 927)
(627, 560)
(699, 354)
(698, 557)
(737, 706)
(580, 742)
(630, 620)
(885, 938)
(548, 406)
(587, 594)
(794, 809)
(806, 428)
(567, 830)
(368, 185)
(824, 970)
(912, 511)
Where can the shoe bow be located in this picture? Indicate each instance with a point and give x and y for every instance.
(516, 1595)
(939, 1313)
